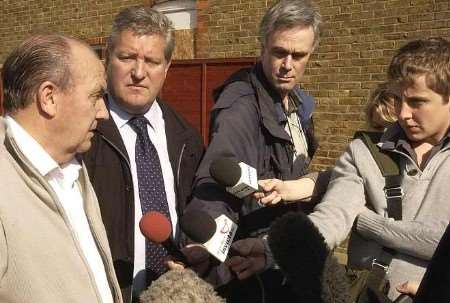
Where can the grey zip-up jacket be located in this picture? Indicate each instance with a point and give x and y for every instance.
(40, 258)
(355, 198)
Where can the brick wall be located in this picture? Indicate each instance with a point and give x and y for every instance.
(229, 28)
(86, 19)
(357, 42)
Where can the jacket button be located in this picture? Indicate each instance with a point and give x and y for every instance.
(127, 188)
(413, 172)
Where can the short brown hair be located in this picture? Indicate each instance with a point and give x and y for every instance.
(37, 59)
(429, 57)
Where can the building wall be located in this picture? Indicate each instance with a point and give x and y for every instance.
(357, 42)
(81, 18)
(85, 19)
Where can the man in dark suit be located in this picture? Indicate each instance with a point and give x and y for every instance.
(144, 158)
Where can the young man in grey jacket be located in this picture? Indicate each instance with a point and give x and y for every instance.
(356, 201)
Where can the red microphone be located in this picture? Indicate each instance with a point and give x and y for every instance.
(157, 228)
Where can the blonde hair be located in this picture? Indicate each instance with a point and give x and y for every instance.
(380, 108)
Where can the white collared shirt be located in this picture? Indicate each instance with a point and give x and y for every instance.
(63, 180)
(157, 134)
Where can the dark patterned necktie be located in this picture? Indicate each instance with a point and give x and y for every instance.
(151, 189)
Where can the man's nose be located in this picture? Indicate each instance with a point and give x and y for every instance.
(102, 111)
(404, 111)
(287, 62)
(138, 71)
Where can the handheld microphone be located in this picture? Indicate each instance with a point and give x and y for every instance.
(240, 179)
(157, 228)
(215, 235)
(302, 254)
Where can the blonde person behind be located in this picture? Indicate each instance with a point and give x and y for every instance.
(380, 113)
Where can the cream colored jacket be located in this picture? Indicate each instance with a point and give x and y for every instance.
(40, 259)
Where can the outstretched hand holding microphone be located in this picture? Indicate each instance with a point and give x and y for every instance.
(241, 180)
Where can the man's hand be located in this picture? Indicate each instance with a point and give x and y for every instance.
(408, 288)
(272, 191)
(275, 190)
(197, 256)
(250, 259)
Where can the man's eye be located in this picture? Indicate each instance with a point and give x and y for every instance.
(125, 58)
(152, 62)
(279, 54)
(298, 56)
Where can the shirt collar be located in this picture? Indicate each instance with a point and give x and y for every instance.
(292, 108)
(121, 117)
(31, 149)
(70, 172)
(39, 158)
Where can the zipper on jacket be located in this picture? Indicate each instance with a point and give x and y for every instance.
(179, 163)
(118, 150)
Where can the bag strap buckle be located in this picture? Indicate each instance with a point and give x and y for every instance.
(393, 192)
(376, 264)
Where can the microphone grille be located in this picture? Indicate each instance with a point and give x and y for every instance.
(198, 225)
(225, 171)
(155, 226)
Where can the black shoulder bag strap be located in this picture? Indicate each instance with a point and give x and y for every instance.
(377, 285)
(388, 165)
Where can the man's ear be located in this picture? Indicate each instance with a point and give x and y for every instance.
(46, 98)
(167, 67)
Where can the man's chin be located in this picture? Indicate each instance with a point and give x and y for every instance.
(285, 87)
(85, 146)
(135, 104)
(416, 138)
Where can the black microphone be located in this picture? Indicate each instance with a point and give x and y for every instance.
(198, 225)
(157, 228)
(240, 179)
(216, 235)
(302, 254)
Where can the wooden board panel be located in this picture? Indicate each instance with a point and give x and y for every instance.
(190, 83)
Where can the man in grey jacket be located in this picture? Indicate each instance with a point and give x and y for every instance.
(356, 201)
(53, 245)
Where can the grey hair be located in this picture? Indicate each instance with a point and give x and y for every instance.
(288, 14)
(37, 59)
(143, 20)
(180, 286)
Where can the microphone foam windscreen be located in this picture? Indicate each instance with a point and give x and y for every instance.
(198, 225)
(300, 251)
(311, 269)
(225, 171)
(155, 226)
